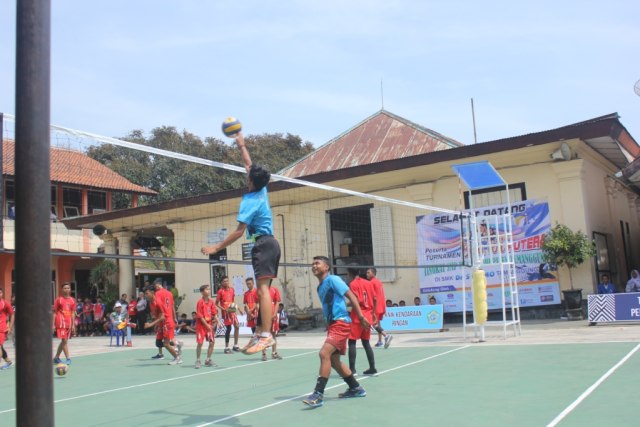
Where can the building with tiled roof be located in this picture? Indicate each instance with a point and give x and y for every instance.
(80, 186)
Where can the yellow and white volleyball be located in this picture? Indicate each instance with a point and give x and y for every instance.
(231, 126)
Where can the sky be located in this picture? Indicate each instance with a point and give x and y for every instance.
(316, 69)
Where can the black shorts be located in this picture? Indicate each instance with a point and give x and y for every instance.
(265, 257)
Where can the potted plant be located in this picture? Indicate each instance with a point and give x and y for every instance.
(566, 248)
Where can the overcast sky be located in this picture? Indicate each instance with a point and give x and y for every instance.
(314, 68)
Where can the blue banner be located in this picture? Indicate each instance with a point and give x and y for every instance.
(614, 307)
(413, 318)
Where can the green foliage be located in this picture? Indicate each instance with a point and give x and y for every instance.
(101, 275)
(566, 248)
(174, 179)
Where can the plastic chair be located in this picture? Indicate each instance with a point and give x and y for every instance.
(118, 333)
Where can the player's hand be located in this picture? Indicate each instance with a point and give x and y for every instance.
(147, 325)
(240, 139)
(208, 250)
(363, 321)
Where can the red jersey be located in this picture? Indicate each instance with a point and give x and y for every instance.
(5, 311)
(64, 309)
(131, 309)
(98, 310)
(205, 310)
(225, 297)
(378, 288)
(363, 290)
(251, 299)
(275, 298)
(87, 308)
(164, 303)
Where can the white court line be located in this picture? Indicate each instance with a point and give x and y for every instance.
(340, 384)
(590, 390)
(83, 396)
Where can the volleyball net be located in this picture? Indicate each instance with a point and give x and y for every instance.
(360, 222)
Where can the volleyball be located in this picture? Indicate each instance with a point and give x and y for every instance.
(61, 369)
(231, 126)
(232, 308)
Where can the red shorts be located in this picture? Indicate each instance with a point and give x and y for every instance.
(229, 319)
(3, 337)
(251, 323)
(359, 333)
(338, 334)
(203, 334)
(165, 331)
(63, 333)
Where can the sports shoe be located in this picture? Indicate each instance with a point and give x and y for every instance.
(227, 351)
(158, 356)
(264, 357)
(379, 344)
(314, 400)
(210, 363)
(370, 372)
(235, 348)
(262, 344)
(176, 361)
(353, 392)
(179, 347)
(68, 361)
(387, 341)
(276, 356)
(254, 339)
(56, 360)
(129, 344)
(6, 366)
(198, 364)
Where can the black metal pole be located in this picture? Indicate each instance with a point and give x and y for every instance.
(34, 384)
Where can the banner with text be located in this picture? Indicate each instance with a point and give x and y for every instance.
(439, 243)
(413, 318)
(614, 307)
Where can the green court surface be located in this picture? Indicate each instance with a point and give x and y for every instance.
(456, 385)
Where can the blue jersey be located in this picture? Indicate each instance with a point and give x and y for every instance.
(331, 292)
(255, 211)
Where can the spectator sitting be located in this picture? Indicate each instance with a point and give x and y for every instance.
(183, 324)
(117, 316)
(606, 287)
(633, 285)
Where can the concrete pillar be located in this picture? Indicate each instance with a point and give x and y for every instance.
(126, 283)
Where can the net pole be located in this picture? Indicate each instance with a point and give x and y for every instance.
(34, 384)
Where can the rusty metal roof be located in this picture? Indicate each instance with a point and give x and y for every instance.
(380, 137)
(74, 167)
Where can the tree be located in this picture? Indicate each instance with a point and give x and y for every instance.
(174, 179)
(566, 248)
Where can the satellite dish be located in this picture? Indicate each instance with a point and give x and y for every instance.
(636, 88)
(563, 153)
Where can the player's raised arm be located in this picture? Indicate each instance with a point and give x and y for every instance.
(243, 150)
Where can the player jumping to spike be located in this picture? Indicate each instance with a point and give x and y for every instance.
(254, 218)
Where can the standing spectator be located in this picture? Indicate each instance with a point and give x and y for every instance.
(417, 301)
(332, 292)
(250, 301)
(123, 301)
(363, 290)
(64, 317)
(6, 313)
(98, 316)
(142, 312)
(86, 322)
(633, 285)
(432, 300)
(606, 287)
(380, 309)
(402, 303)
(283, 317)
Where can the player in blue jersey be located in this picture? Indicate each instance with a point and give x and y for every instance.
(255, 219)
(332, 292)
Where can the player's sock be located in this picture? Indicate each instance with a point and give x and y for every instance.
(321, 383)
(369, 351)
(352, 356)
(351, 381)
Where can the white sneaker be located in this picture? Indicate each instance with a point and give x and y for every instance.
(176, 361)
(387, 341)
(179, 347)
(198, 364)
